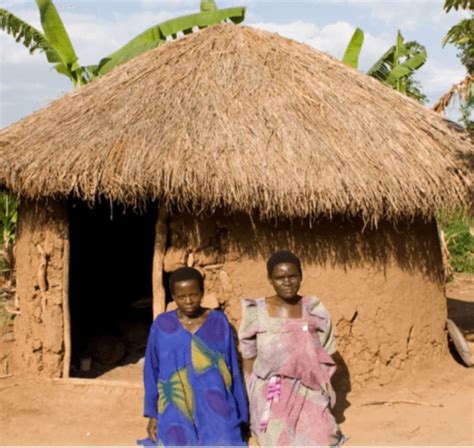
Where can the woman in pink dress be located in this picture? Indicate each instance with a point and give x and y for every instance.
(286, 341)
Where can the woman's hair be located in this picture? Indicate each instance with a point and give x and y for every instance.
(183, 274)
(283, 256)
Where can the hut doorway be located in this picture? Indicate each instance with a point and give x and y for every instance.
(110, 289)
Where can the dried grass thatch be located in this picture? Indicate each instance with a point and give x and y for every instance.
(463, 90)
(245, 119)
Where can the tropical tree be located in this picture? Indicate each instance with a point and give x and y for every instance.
(54, 41)
(395, 67)
(461, 36)
(456, 4)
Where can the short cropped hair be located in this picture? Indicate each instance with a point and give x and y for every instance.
(183, 274)
(283, 256)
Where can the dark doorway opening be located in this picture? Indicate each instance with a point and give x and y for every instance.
(166, 286)
(110, 288)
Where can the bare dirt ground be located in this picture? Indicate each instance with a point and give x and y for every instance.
(434, 407)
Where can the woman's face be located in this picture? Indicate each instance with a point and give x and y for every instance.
(286, 280)
(187, 294)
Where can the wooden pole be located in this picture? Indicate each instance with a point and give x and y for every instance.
(66, 313)
(161, 234)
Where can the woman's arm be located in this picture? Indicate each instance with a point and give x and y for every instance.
(150, 377)
(326, 334)
(247, 364)
(329, 343)
(248, 337)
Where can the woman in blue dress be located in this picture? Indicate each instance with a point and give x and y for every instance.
(194, 394)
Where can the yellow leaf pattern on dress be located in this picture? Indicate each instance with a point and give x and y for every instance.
(200, 359)
(177, 390)
(221, 364)
(187, 390)
(162, 401)
(203, 358)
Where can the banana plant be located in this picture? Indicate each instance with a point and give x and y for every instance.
(398, 63)
(351, 55)
(395, 67)
(157, 35)
(54, 41)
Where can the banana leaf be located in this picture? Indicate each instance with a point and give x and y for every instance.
(381, 68)
(351, 55)
(156, 35)
(57, 36)
(25, 34)
(407, 67)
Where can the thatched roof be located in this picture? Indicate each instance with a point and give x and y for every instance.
(245, 119)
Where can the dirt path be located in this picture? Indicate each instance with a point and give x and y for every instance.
(44, 413)
(426, 423)
(34, 412)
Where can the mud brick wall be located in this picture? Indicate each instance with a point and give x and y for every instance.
(383, 287)
(42, 241)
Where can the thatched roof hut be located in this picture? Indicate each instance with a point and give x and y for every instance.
(221, 117)
(224, 129)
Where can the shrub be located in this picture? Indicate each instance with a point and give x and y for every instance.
(459, 240)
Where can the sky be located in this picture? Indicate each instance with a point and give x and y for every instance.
(99, 27)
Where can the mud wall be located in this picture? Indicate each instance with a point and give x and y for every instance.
(383, 287)
(42, 241)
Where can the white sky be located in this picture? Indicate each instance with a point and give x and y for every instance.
(97, 28)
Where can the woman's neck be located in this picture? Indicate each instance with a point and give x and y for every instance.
(279, 301)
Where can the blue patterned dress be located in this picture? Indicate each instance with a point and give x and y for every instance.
(193, 384)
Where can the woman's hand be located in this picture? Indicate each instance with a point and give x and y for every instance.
(151, 428)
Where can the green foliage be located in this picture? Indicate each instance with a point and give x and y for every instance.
(413, 90)
(398, 63)
(351, 55)
(460, 242)
(395, 67)
(63, 55)
(461, 36)
(55, 42)
(157, 35)
(23, 33)
(8, 218)
(57, 46)
(466, 112)
(458, 4)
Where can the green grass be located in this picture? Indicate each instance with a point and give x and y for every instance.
(460, 242)
(8, 218)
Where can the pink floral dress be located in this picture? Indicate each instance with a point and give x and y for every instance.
(290, 389)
